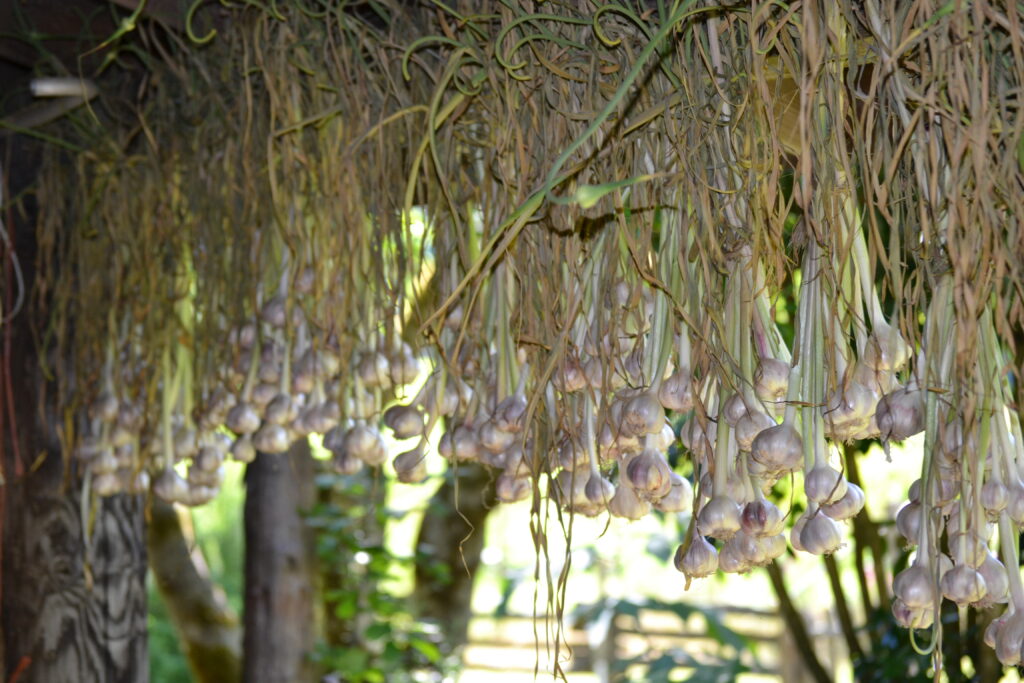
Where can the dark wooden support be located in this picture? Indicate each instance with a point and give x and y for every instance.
(280, 568)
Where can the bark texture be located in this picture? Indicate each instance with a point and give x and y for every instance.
(209, 631)
(451, 537)
(280, 568)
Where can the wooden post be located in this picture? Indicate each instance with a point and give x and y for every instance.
(279, 568)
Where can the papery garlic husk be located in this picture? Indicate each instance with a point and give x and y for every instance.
(569, 376)
(572, 455)
(199, 495)
(275, 312)
(598, 375)
(104, 463)
(280, 411)
(212, 479)
(774, 546)
(679, 497)
(912, 617)
(778, 448)
(963, 585)
(761, 518)
(771, 380)
(989, 637)
(494, 439)
(509, 414)
(997, 581)
(1009, 639)
(121, 436)
(719, 518)
(404, 367)
(571, 492)
(208, 459)
(649, 474)
(510, 488)
(599, 491)
(734, 409)
(696, 439)
(886, 349)
(495, 460)
(346, 463)
(849, 410)
(900, 414)
(104, 408)
(465, 443)
(824, 485)
(302, 382)
(170, 487)
(185, 443)
(134, 483)
(242, 449)
(365, 443)
(794, 533)
(821, 535)
(914, 586)
(374, 369)
(731, 558)
(908, 522)
(642, 415)
(626, 504)
(699, 560)
(411, 466)
(848, 506)
(662, 440)
(994, 498)
(324, 417)
(970, 548)
(405, 421)
(106, 484)
(675, 392)
(749, 426)
(243, 419)
(271, 438)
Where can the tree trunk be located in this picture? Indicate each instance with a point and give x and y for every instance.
(279, 568)
(451, 538)
(207, 627)
(74, 567)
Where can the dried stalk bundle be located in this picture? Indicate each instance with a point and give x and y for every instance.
(618, 200)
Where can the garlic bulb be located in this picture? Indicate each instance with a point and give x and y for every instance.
(824, 485)
(1009, 639)
(734, 409)
(494, 439)
(771, 380)
(510, 489)
(908, 522)
(365, 443)
(405, 422)
(778, 448)
(994, 498)
(732, 558)
(675, 393)
(170, 487)
(749, 426)
(912, 617)
(963, 585)
(243, 419)
(719, 518)
(848, 506)
(698, 560)
(914, 586)
(679, 497)
(510, 413)
(411, 466)
(900, 414)
(346, 463)
(599, 491)
(271, 438)
(761, 518)
(242, 449)
(820, 535)
(642, 415)
(569, 376)
(626, 504)
(997, 582)
(649, 474)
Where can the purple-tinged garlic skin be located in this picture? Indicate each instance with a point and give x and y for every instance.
(900, 414)
(914, 587)
(675, 393)
(761, 518)
(510, 413)
(492, 438)
(968, 548)
(731, 559)
(599, 491)
(679, 497)
(626, 504)
(749, 426)
(569, 377)
(411, 466)
(908, 522)
(346, 463)
(824, 485)
(778, 448)
(963, 585)
(1009, 639)
(719, 518)
(794, 533)
(170, 487)
(642, 415)
(997, 581)
(820, 535)
(242, 449)
(271, 438)
(699, 560)
(912, 617)
(511, 489)
(650, 475)
(848, 506)
(771, 380)
(994, 498)
(405, 421)
(243, 419)
(734, 409)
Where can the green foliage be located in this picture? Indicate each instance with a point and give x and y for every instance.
(377, 637)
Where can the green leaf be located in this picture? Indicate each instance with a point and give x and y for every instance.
(379, 630)
(427, 649)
